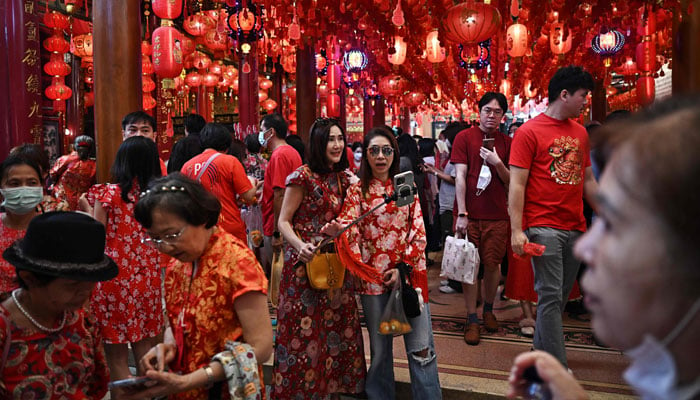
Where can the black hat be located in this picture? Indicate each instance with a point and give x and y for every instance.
(66, 245)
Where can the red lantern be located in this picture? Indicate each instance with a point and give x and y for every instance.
(392, 85)
(167, 56)
(323, 90)
(217, 68)
(198, 24)
(321, 62)
(55, 20)
(262, 95)
(89, 99)
(210, 80)
(167, 9)
(187, 45)
(264, 83)
(646, 90)
(148, 102)
(414, 99)
(516, 40)
(471, 22)
(334, 77)
(193, 79)
(56, 43)
(559, 41)
(57, 67)
(334, 105)
(58, 90)
(81, 46)
(146, 65)
(201, 61)
(646, 19)
(147, 84)
(269, 105)
(646, 56)
(292, 92)
(433, 52)
(399, 55)
(146, 48)
(215, 40)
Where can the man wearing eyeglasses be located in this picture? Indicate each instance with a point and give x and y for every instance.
(283, 161)
(480, 155)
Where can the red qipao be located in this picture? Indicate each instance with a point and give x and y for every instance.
(384, 238)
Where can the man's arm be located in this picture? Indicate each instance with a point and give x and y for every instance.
(461, 197)
(590, 188)
(516, 200)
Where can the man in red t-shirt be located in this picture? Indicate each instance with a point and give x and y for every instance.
(480, 155)
(550, 172)
(224, 176)
(283, 161)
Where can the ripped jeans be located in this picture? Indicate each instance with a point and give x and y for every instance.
(380, 384)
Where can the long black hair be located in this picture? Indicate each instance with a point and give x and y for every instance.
(318, 143)
(137, 159)
(365, 170)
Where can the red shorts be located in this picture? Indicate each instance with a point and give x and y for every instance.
(491, 238)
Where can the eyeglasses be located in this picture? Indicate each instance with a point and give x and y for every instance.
(170, 240)
(495, 111)
(374, 151)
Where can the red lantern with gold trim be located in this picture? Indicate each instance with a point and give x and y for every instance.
(56, 43)
(167, 55)
(167, 9)
(198, 24)
(471, 22)
(55, 20)
(57, 67)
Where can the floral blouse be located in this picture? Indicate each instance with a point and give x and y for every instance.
(69, 364)
(382, 239)
(7, 270)
(226, 270)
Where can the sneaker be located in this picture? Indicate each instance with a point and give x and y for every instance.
(490, 322)
(471, 334)
(444, 282)
(447, 289)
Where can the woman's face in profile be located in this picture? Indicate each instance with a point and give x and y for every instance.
(627, 282)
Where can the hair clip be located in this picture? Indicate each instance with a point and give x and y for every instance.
(164, 189)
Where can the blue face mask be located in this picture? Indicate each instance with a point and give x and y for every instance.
(22, 200)
(261, 137)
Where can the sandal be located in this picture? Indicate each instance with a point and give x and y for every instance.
(527, 327)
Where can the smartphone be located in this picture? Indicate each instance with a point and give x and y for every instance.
(488, 143)
(132, 383)
(403, 188)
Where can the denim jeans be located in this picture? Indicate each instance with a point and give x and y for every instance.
(555, 275)
(380, 384)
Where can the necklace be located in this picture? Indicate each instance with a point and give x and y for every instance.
(33, 321)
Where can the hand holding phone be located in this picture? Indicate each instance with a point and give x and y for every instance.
(403, 188)
(488, 143)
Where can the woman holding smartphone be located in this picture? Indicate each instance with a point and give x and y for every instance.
(382, 240)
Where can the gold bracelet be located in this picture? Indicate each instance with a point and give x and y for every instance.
(210, 375)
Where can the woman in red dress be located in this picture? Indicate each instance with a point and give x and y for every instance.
(74, 173)
(319, 349)
(129, 307)
(54, 349)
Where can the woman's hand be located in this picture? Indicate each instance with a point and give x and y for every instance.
(561, 383)
(158, 357)
(306, 252)
(161, 384)
(391, 277)
(84, 204)
(332, 228)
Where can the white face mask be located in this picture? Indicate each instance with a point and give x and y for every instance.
(653, 373)
(261, 137)
(358, 155)
(23, 199)
(441, 146)
(484, 179)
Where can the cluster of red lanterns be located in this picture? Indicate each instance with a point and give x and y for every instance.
(148, 85)
(57, 68)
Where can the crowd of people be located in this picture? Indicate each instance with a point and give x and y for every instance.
(174, 261)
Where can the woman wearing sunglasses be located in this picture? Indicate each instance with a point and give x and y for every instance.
(319, 350)
(382, 240)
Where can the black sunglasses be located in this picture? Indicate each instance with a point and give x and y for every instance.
(374, 151)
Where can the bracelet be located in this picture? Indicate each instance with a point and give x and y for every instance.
(210, 375)
(460, 215)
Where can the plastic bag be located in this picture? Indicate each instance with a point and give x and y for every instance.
(394, 321)
(460, 260)
(252, 217)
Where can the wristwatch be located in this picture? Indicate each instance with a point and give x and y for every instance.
(276, 234)
(461, 215)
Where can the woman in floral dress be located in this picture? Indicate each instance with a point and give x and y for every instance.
(74, 173)
(319, 350)
(129, 307)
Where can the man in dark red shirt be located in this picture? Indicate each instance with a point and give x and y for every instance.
(283, 161)
(480, 155)
(550, 173)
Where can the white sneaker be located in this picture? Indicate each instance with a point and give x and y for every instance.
(444, 282)
(447, 289)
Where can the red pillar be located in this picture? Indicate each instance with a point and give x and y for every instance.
(74, 105)
(117, 32)
(20, 75)
(306, 90)
(367, 116)
(248, 104)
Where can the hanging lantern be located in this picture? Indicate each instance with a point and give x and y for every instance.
(210, 80)
(321, 63)
(146, 65)
(217, 68)
(646, 90)
(269, 105)
(505, 87)
(516, 40)
(334, 105)
(81, 46)
(292, 92)
(262, 95)
(193, 79)
(198, 24)
(55, 20)
(646, 56)
(471, 22)
(558, 42)
(58, 92)
(433, 52)
(323, 90)
(148, 102)
(167, 56)
(245, 20)
(216, 40)
(89, 99)
(264, 83)
(609, 43)
(475, 57)
(56, 43)
(201, 61)
(414, 99)
(334, 77)
(147, 84)
(392, 85)
(57, 67)
(399, 55)
(166, 9)
(355, 60)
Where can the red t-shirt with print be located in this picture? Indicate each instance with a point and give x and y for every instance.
(225, 177)
(557, 154)
(491, 204)
(284, 161)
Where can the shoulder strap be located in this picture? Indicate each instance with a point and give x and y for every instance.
(206, 165)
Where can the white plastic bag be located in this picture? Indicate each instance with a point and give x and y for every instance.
(460, 260)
